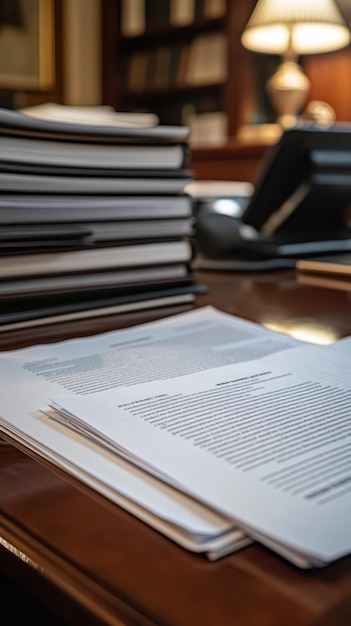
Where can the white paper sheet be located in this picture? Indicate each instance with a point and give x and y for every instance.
(266, 442)
(199, 340)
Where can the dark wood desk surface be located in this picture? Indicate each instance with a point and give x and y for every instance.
(94, 563)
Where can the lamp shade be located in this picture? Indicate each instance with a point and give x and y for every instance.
(302, 26)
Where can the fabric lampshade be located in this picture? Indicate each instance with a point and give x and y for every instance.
(303, 26)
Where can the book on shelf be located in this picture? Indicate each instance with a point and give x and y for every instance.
(182, 12)
(181, 73)
(154, 69)
(157, 15)
(154, 15)
(162, 68)
(208, 129)
(199, 9)
(132, 18)
(174, 65)
(207, 62)
(138, 70)
(240, 434)
(214, 9)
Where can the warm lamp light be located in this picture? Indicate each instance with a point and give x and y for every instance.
(290, 28)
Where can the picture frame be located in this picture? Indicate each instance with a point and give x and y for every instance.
(27, 58)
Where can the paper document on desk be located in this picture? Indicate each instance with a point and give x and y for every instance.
(268, 443)
(198, 341)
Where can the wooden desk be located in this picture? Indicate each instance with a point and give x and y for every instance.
(93, 563)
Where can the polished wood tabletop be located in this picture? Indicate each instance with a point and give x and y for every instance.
(90, 562)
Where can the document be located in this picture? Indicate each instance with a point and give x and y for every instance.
(267, 443)
(200, 345)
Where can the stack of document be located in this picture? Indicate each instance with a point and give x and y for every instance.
(211, 429)
(84, 196)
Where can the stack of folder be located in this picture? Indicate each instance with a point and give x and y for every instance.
(94, 218)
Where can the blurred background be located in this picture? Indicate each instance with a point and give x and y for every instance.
(183, 60)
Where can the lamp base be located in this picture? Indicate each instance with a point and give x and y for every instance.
(288, 89)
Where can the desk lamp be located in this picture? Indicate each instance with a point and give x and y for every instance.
(291, 28)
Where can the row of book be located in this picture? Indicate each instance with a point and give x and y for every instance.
(143, 16)
(202, 61)
(94, 218)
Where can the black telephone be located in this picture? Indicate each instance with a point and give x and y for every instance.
(301, 195)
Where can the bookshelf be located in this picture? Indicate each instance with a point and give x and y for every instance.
(230, 100)
(182, 63)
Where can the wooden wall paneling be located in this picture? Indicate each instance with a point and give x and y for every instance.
(330, 76)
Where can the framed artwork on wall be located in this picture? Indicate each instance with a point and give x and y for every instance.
(27, 45)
